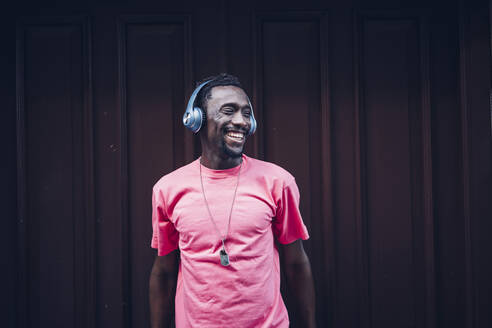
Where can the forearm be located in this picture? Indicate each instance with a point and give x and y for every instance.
(162, 288)
(301, 286)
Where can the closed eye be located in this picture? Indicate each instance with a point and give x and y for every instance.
(227, 110)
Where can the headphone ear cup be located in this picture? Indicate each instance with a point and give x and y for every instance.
(193, 119)
(203, 116)
(252, 128)
(200, 119)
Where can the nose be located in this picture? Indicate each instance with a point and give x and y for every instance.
(239, 119)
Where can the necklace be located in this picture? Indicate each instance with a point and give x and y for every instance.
(224, 256)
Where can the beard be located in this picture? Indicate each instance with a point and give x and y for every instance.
(231, 153)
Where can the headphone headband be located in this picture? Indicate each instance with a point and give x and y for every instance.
(194, 116)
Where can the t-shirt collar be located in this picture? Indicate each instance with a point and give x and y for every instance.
(233, 171)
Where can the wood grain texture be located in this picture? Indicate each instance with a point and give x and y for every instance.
(382, 115)
(54, 154)
(395, 222)
(292, 98)
(153, 58)
(476, 178)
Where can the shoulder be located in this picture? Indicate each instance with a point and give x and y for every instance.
(176, 177)
(270, 171)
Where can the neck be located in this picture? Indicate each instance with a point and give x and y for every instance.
(215, 162)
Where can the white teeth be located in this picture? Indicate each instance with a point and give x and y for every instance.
(235, 135)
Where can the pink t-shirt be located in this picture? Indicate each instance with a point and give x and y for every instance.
(247, 292)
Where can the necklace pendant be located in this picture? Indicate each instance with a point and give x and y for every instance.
(224, 258)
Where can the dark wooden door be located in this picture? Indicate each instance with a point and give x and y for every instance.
(380, 109)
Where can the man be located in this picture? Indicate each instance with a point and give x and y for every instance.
(227, 214)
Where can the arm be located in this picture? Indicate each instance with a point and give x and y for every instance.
(300, 281)
(162, 289)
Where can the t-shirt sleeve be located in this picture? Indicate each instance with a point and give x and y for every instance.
(164, 235)
(287, 224)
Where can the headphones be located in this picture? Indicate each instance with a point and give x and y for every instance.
(194, 116)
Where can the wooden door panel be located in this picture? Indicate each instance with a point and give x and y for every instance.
(393, 122)
(289, 103)
(53, 58)
(154, 56)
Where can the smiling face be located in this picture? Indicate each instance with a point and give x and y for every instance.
(228, 122)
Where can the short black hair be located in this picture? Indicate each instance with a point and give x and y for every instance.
(222, 79)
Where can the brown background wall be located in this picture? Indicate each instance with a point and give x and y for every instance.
(379, 108)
